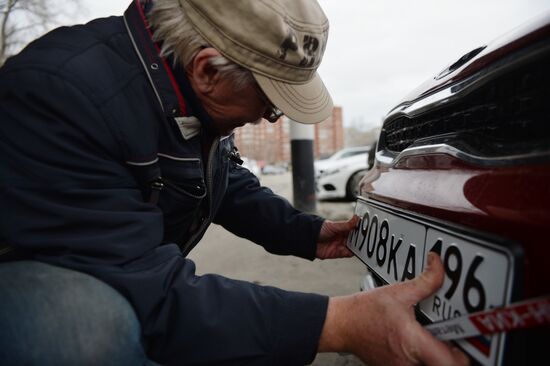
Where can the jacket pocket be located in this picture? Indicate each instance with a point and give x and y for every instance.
(182, 195)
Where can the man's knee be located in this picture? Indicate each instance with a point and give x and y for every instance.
(51, 315)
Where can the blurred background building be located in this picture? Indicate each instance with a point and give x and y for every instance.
(269, 143)
(329, 135)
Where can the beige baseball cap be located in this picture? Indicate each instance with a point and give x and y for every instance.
(280, 41)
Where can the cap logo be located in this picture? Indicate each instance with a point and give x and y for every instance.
(311, 45)
(290, 43)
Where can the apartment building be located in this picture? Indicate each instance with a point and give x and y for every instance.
(269, 143)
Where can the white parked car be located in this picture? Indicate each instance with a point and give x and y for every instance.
(338, 176)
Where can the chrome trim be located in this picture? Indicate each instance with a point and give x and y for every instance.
(387, 159)
(367, 282)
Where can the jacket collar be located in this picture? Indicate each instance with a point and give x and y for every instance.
(194, 105)
(159, 73)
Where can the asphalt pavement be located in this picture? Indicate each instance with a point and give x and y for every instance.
(223, 253)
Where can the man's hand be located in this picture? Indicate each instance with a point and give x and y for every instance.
(379, 326)
(332, 239)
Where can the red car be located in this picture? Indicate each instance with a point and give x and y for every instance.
(463, 168)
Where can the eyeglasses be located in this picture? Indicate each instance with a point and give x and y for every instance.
(272, 113)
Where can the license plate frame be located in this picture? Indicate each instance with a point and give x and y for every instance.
(485, 350)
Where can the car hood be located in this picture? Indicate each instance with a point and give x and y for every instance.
(476, 60)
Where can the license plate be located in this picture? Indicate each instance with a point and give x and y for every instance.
(479, 274)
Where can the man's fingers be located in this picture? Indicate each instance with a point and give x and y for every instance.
(347, 226)
(428, 282)
(434, 352)
(459, 356)
(429, 350)
(353, 222)
(345, 252)
(331, 228)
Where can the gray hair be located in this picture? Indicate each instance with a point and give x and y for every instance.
(172, 28)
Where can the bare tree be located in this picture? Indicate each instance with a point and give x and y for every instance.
(24, 20)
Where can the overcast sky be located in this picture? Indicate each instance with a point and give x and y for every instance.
(379, 50)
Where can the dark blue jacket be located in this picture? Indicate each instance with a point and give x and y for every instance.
(88, 123)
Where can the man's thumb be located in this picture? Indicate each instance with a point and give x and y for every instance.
(430, 280)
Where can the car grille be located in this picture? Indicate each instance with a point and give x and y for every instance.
(512, 110)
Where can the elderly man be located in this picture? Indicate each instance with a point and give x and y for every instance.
(117, 154)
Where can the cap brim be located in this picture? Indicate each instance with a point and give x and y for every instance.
(305, 103)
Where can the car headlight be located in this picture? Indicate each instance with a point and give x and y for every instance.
(331, 171)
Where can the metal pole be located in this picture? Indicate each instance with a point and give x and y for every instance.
(303, 180)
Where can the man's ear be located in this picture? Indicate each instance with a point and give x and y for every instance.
(201, 73)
